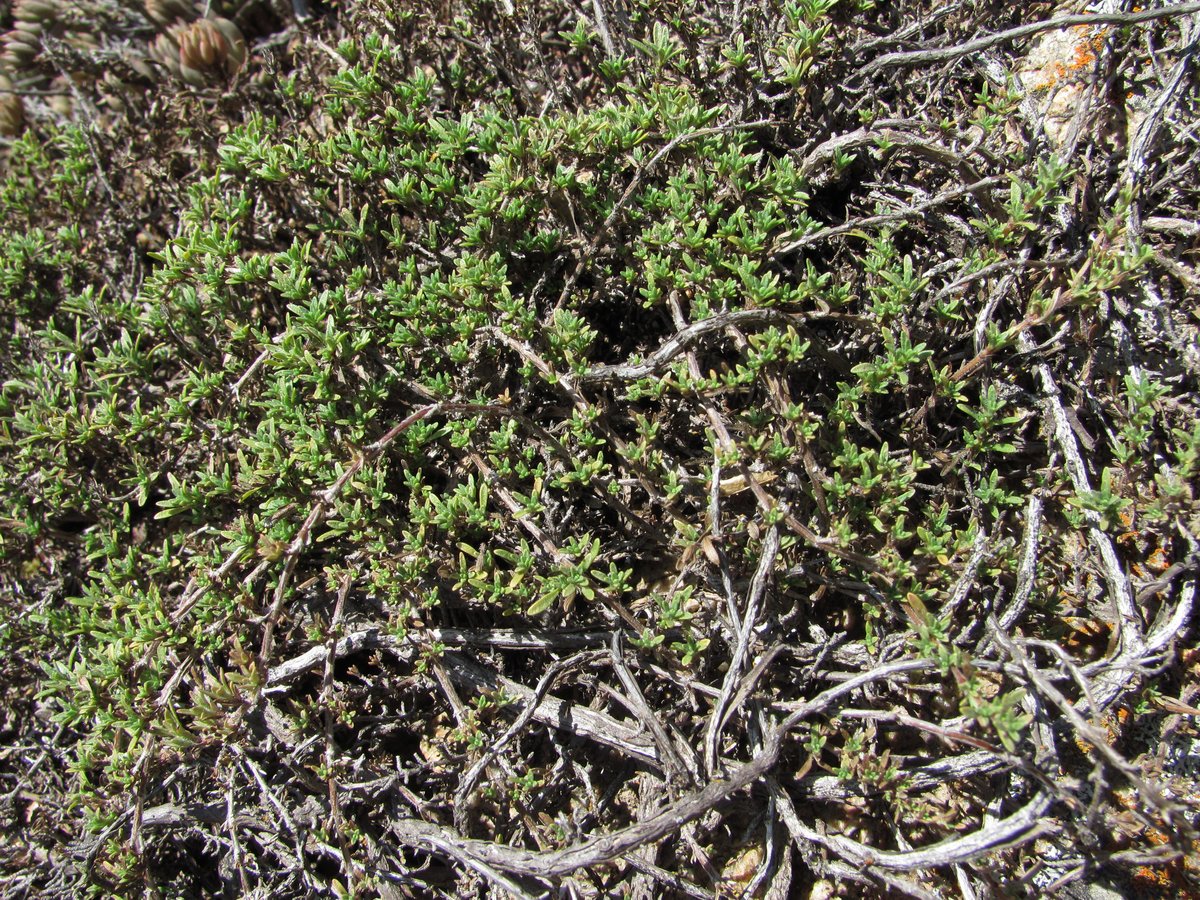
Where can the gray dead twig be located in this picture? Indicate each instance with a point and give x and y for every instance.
(1170, 811)
(672, 751)
(908, 58)
(1128, 619)
(462, 794)
(749, 619)
(670, 819)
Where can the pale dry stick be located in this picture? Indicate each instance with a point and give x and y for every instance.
(615, 845)
(335, 806)
(170, 815)
(750, 681)
(462, 794)
(808, 849)
(648, 791)
(984, 319)
(563, 715)
(945, 732)
(829, 788)
(828, 150)
(658, 873)
(1115, 673)
(887, 218)
(754, 598)
(717, 530)
(509, 639)
(1173, 626)
(338, 59)
(250, 766)
(1169, 225)
(1004, 759)
(687, 335)
(908, 32)
(405, 649)
(1047, 757)
(35, 92)
(278, 677)
(968, 48)
(769, 861)
(1129, 627)
(1137, 159)
(447, 685)
(1016, 829)
(724, 443)
(1069, 666)
(195, 591)
(231, 828)
(1004, 265)
(1026, 570)
(998, 70)
(636, 182)
(268, 793)
(601, 22)
(252, 370)
(967, 579)
(758, 725)
(1170, 811)
(964, 883)
(780, 887)
(528, 354)
(447, 844)
(875, 878)
(139, 803)
(679, 772)
(597, 726)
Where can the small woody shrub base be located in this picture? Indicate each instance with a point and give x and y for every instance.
(643, 449)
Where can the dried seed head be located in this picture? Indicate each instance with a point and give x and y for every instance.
(12, 108)
(165, 13)
(236, 56)
(21, 46)
(40, 12)
(207, 48)
(202, 46)
(164, 50)
(82, 40)
(137, 64)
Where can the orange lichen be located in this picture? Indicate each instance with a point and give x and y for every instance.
(1169, 880)
(1157, 561)
(1086, 51)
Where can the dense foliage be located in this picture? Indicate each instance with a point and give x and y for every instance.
(436, 436)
